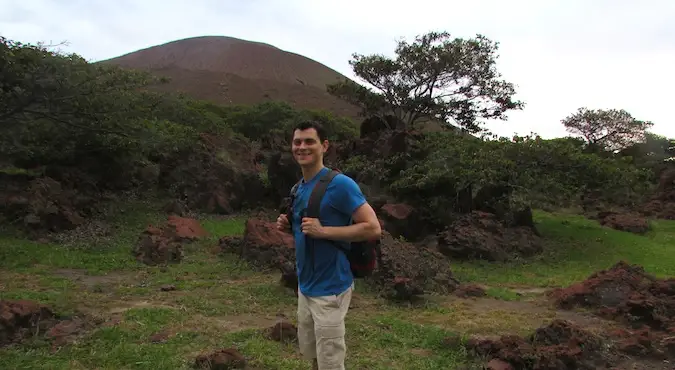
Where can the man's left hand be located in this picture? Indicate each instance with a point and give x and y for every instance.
(312, 227)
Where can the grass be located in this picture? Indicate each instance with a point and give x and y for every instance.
(221, 302)
(575, 248)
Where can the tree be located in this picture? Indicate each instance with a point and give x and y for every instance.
(607, 130)
(65, 89)
(57, 111)
(435, 78)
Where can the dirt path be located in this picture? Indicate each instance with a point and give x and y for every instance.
(493, 317)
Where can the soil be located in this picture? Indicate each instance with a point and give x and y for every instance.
(470, 290)
(161, 336)
(232, 323)
(92, 282)
(122, 307)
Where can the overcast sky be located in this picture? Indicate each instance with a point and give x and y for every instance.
(561, 55)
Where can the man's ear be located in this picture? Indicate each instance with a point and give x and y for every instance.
(325, 145)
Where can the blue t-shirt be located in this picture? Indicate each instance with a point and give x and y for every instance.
(331, 273)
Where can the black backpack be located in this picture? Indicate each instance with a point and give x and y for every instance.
(364, 256)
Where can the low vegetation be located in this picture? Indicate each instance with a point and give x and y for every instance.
(221, 302)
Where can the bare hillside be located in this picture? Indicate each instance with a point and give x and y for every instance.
(233, 71)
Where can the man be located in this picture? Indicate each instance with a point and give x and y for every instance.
(325, 283)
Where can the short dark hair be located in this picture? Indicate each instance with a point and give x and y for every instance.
(306, 125)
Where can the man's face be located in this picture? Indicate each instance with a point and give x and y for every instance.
(307, 148)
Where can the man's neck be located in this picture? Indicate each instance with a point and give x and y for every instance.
(308, 173)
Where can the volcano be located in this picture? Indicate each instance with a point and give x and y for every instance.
(228, 71)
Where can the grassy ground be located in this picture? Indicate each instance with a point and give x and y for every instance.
(577, 247)
(221, 302)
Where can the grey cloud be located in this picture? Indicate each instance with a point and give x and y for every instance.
(561, 54)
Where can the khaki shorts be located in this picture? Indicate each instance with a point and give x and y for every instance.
(321, 328)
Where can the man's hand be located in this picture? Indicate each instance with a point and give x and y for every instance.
(283, 224)
(312, 227)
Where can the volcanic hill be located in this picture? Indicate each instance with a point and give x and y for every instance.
(228, 70)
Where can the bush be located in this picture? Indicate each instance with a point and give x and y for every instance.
(440, 170)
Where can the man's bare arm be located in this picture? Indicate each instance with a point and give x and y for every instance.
(366, 226)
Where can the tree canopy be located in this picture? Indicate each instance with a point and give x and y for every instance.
(607, 130)
(433, 78)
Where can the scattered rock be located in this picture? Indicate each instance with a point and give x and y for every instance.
(662, 204)
(400, 276)
(158, 246)
(629, 222)
(66, 331)
(43, 204)
(186, 228)
(283, 332)
(262, 245)
(223, 359)
(559, 345)
(625, 293)
(220, 176)
(656, 208)
(635, 343)
(20, 319)
(481, 235)
(165, 245)
(400, 219)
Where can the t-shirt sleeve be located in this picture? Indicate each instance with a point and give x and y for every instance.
(348, 195)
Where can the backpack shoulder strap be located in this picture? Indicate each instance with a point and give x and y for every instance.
(291, 200)
(314, 203)
(294, 189)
